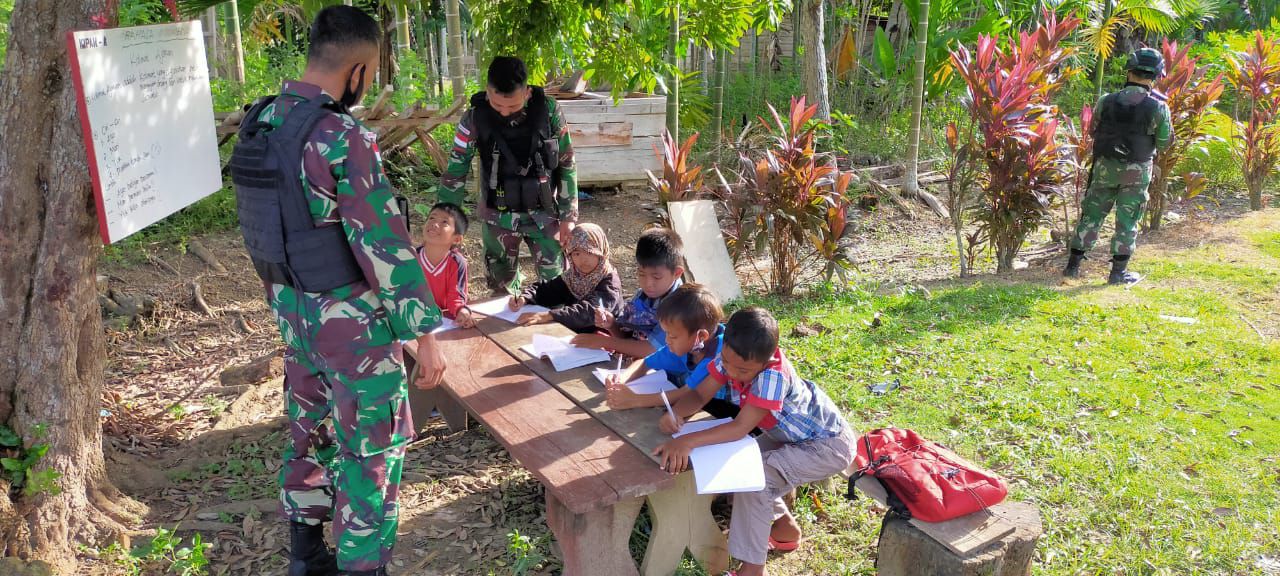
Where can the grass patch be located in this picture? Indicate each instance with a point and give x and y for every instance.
(1268, 243)
(1148, 445)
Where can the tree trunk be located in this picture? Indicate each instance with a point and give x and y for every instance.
(454, 24)
(51, 376)
(911, 184)
(673, 84)
(402, 29)
(1156, 204)
(1102, 62)
(815, 56)
(387, 54)
(721, 66)
(210, 24)
(237, 47)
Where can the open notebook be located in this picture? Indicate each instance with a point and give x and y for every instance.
(721, 468)
(497, 308)
(651, 383)
(563, 356)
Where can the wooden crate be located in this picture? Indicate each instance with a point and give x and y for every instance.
(615, 143)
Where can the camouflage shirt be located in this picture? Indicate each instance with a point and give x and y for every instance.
(453, 184)
(342, 175)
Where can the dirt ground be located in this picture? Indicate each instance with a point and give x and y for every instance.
(203, 454)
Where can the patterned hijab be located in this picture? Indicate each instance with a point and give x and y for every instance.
(591, 239)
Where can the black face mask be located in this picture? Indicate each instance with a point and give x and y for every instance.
(350, 98)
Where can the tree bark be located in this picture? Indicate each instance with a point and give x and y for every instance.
(237, 47)
(210, 23)
(387, 54)
(721, 66)
(911, 184)
(51, 371)
(673, 84)
(815, 56)
(454, 23)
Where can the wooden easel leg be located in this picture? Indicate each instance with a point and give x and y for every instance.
(596, 542)
(682, 519)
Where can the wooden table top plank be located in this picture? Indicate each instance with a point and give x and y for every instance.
(638, 426)
(578, 458)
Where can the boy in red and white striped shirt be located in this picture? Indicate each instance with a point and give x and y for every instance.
(443, 263)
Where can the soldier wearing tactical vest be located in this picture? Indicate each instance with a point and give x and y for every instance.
(325, 233)
(528, 184)
(1129, 126)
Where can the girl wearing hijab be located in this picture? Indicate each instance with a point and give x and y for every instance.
(590, 282)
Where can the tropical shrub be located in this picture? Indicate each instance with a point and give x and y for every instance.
(1008, 95)
(682, 179)
(791, 202)
(964, 177)
(1255, 74)
(1080, 138)
(1190, 98)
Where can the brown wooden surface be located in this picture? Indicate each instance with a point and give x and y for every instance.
(905, 550)
(576, 457)
(638, 426)
(594, 543)
(601, 134)
(961, 535)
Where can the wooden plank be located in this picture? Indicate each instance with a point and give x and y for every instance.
(962, 535)
(595, 542)
(637, 426)
(571, 453)
(592, 117)
(602, 134)
(676, 527)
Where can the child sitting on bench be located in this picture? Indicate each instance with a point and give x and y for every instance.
(805, 438)
(636, 332)
(588, 283)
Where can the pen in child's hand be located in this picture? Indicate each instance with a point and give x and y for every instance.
(671, 412)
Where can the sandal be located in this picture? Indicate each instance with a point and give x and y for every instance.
(784, 546)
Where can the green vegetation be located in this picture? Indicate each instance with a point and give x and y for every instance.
(163, 554)
(18, 464)
(6, 11)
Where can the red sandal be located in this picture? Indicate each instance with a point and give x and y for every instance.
(784, 546)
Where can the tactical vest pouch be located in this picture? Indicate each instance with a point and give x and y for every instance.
(548, 161)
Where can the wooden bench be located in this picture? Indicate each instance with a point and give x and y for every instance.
(596, 478)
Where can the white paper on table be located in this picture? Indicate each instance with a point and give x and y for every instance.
(722, 468)
(498, 308)
(651, 383)
(563, 356)
(445, 326)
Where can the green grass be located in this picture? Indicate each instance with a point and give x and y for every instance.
(1267, 242)
(1148, 445)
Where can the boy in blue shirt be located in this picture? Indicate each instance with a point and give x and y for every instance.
(690, 317)
(805, 438)
(636, 332)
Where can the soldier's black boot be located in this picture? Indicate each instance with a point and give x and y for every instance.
(376, 572)
(1073, 264)
(1118, 273)
(309, 555)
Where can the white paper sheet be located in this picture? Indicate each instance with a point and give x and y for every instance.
(498, 308)
(651, 383)
(722, 468)
(563, 356)
(445, 326)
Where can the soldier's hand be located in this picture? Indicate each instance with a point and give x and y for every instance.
(431, 363)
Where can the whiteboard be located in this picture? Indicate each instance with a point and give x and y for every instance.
(147, 118)
(704, 249)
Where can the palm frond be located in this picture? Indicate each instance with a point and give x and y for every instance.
(1152, 15)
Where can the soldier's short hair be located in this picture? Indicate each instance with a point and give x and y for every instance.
(660, 247)
(508, 74)
(454, 211)
(752, 333)
(692, 306)
(336, 32)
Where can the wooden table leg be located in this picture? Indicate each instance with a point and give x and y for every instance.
(597, 542)
(422, 402)
(682, 519)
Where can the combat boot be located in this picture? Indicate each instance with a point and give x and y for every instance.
(309, 555)
(381, 571)
(1118, 273)
(1073, 264)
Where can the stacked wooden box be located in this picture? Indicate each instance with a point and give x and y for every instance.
(614, 143)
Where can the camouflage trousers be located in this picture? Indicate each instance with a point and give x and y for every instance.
(349, 423)
(1118, 184)
(502, 251)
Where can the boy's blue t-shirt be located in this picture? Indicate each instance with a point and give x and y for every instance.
(639, 319)
(680, 368)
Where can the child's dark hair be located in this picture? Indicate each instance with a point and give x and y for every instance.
(693, 306)
(660, 247)
(454, 211)
(752, 333)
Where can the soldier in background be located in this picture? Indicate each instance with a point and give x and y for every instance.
(1128, 127)
(528, 182)
(325, 233)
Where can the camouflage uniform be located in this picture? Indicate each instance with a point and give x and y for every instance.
(344, 376)
(1122, 185)
(503, 231)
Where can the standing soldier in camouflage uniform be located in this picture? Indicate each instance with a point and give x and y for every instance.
(324, 232)
(1128, 127)
(528, 183)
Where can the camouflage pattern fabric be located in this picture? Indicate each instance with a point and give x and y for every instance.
(1120, 184)
(502, 253)
(345, 384)
(536, 227)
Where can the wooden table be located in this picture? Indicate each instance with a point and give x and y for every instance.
(596, 463)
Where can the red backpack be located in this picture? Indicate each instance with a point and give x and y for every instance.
(923, 479)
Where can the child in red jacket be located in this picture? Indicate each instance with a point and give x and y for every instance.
(443, 264)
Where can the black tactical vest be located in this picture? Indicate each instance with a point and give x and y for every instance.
(1121, 130)
(520, 165)
(283, 241)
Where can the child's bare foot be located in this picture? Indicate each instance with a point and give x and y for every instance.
(785, 530)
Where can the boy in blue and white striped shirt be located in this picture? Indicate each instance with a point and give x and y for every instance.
(805, 438)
